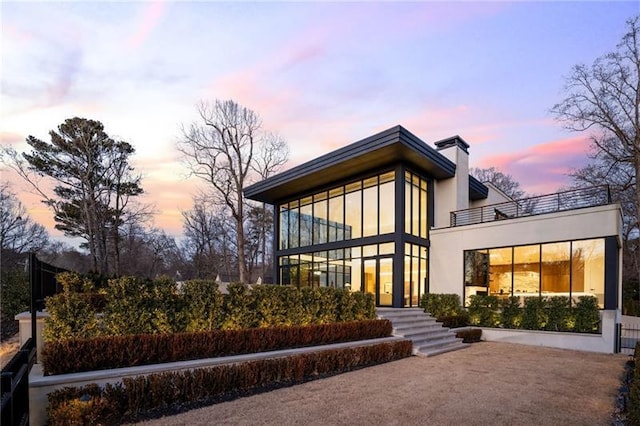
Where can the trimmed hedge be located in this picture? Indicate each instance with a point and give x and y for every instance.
(539, 313)
(469, 335)
(132, 305)
(75, 355)
(142, 396)
(441, 305)
(633, 412)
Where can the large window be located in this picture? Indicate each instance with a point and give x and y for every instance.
(342, 268)
(415, 273)
(569, 268)
(362, 208)
(415, 205)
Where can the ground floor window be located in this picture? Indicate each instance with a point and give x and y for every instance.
(415, 273)
(568, 268)
(342, 268)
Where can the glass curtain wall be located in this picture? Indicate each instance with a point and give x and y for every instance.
(415, 273)
(359, 209)
(569, 268)
(342, 268)
(415, 205)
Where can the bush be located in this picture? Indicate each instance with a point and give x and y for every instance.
(71, 315)
(441, 305)
(203, 305)
(534, 315)
(483, 310)
(455, 321)
(14, 293)
(70, 356)
(558, 313)
(469, 335)
(587, 315)
(633, 415)
(142, 306)
(141, 395)
(511, 314)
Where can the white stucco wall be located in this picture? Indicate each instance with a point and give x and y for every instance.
(494, 196)
(446, 274)
(452, 194)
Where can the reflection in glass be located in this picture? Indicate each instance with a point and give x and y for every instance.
(500, 272)
(555, 273)
(526, 270)
(370, 204)
(336, 218)
(387, 207)
(385, 281)
(587, 270)
(353, 211)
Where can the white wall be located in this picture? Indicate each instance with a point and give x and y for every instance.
(452, 194)
(446, 273)
(495, 196)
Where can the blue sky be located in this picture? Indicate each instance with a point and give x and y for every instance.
(322, 74)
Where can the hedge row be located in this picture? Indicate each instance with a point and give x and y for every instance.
(142, 396)
(75, 355)
(633, 411)
(538, 313)
(130, 305)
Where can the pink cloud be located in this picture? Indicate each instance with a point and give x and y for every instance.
(542, 168)
(152, 15)
(9, 138)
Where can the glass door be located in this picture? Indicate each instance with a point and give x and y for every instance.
(378, 279)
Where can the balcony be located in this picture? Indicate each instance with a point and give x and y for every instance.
(533, 206)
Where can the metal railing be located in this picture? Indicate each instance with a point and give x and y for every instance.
(14, 386)
(541, 204)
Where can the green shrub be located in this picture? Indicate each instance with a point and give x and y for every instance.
(71, 315)
(534, 315)
(15, 293)
(161, 391)
(77, 355)
(587, 315)
(483, 310)
(558, 313)
(633, 414)
(469, 335)
(441, 305)
(511, 314)
(455, 321)
(238, 308)
(142, 306)
(203, 305)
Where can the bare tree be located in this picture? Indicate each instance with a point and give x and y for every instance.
(272, 154)
(220, 149)
(18, 232)
(604, 99)
(206, 238)
(504, 182)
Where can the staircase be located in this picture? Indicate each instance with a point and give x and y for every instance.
(428, 336)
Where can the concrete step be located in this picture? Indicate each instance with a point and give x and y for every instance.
(419, 332)
(443, 349)
(428, 336)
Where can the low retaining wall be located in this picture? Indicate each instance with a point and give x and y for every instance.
(605, 342)
(40, 386)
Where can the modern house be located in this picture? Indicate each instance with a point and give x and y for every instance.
(394, 217)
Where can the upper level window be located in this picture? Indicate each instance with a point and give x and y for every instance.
(415, 205)
(358, 209)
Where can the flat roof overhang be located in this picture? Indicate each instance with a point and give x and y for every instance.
(385, 148)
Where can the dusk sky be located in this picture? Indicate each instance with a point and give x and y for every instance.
(322, 75)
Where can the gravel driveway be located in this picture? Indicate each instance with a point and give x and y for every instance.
(487, 384)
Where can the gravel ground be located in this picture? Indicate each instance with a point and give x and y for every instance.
(487, 384)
